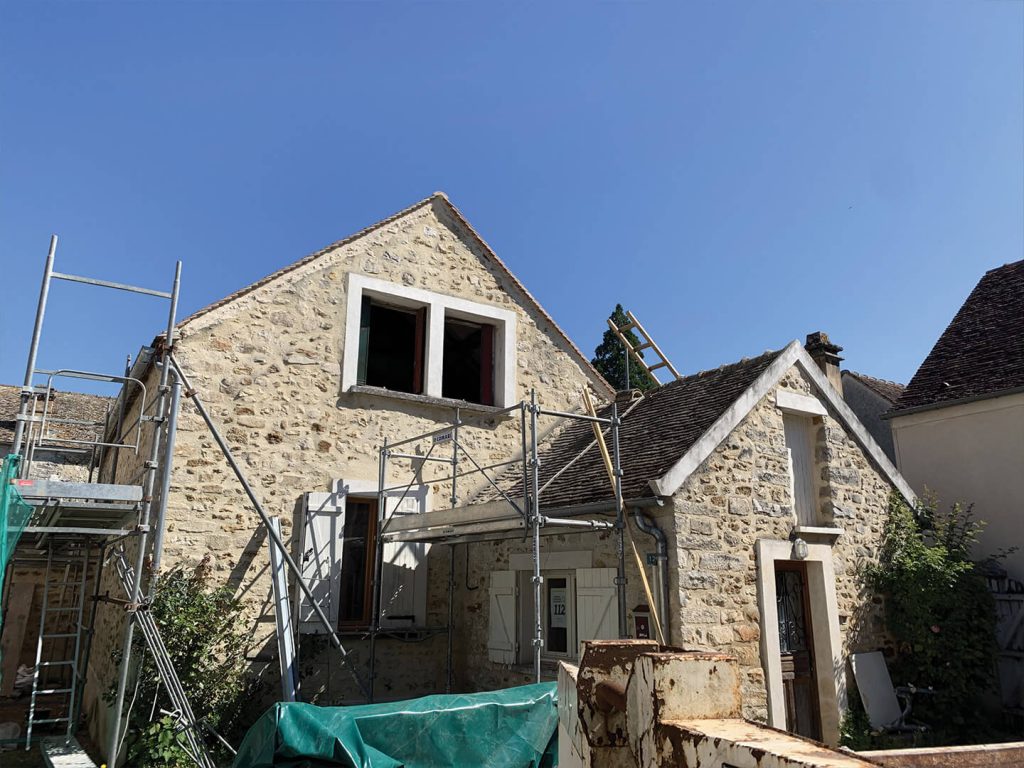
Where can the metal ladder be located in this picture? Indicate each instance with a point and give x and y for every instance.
(188, 725)
(56, 678)
(647, 343)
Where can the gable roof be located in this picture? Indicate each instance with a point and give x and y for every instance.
(668, 434)
(656, 430)
(981, 352)
(441, 199)
(887, 390)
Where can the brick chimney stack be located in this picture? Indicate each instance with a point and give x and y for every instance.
(826, 355)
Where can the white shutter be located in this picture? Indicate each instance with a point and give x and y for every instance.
(501, 637)
(403, 596)
(597, 616)
(323, 525)
(798, 431)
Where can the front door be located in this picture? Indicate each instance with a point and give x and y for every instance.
(796, 648)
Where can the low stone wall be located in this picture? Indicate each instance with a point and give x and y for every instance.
(635, 703)
(974, 756)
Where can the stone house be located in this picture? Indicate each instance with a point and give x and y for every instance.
(754, 491)
(386, 333)
(770, 495)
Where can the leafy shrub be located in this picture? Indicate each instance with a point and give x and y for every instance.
(203, 631)
(940, 613)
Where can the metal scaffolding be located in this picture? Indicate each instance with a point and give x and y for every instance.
(510, 516)
(72, 521)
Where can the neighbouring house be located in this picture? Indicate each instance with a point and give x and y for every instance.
(958, 428)
(870, 399)
(64, 459)
(755, 491)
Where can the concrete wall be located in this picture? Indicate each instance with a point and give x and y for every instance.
(268, 366)
(972, 453)
(869, 407)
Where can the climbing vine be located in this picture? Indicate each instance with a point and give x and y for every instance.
(940, 614)
(202, 628)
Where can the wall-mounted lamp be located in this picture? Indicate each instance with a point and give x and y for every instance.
(800, 550)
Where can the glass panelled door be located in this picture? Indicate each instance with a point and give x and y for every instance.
(796, 649)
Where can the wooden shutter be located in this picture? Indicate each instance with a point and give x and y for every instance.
(801, 456)
(487, 364)
(364, 341)
(501, 636)
(596, 613)
(403, 596)
(323, 524)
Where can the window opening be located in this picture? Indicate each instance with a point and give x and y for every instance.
(391, 342)
(557, 604)
(468, 367)
(357, 550)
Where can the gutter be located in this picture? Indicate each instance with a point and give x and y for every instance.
(894, 414)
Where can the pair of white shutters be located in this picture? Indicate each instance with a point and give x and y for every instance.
(596, 614)
(404, 576)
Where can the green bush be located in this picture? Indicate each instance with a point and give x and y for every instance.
(203, 631)
(940, 614)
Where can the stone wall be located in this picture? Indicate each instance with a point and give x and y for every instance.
(740, 494)
(474, 671)
(268, 367)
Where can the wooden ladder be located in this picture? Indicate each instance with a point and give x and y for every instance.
(646, 343)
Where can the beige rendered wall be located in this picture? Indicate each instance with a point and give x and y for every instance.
(268, 366)
(972, 453)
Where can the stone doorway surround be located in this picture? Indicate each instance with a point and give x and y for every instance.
(828, 655)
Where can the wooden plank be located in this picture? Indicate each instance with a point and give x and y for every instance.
(59, 754)
(472, 513)
(19, 606)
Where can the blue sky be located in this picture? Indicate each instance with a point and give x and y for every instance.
(739, 174)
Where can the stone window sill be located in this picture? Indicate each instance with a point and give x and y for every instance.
(818, 534)
(437, 402)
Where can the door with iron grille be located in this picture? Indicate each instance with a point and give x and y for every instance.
(796, 648)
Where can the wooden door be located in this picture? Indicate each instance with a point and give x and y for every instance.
(796, 648)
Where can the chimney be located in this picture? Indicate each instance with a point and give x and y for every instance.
(826, 355)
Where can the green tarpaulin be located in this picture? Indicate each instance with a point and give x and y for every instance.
(14, 513)
(511, 728)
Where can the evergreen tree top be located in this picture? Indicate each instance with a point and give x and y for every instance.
(613, 362)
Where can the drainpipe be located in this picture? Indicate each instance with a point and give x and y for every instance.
(648, 526)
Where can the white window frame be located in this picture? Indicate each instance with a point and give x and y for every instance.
(438, 306)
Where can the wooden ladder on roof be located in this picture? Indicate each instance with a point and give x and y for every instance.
(646, 343)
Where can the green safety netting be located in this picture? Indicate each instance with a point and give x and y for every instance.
(14, 515)
(510, 728)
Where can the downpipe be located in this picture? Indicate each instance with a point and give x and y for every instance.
(648, 526)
